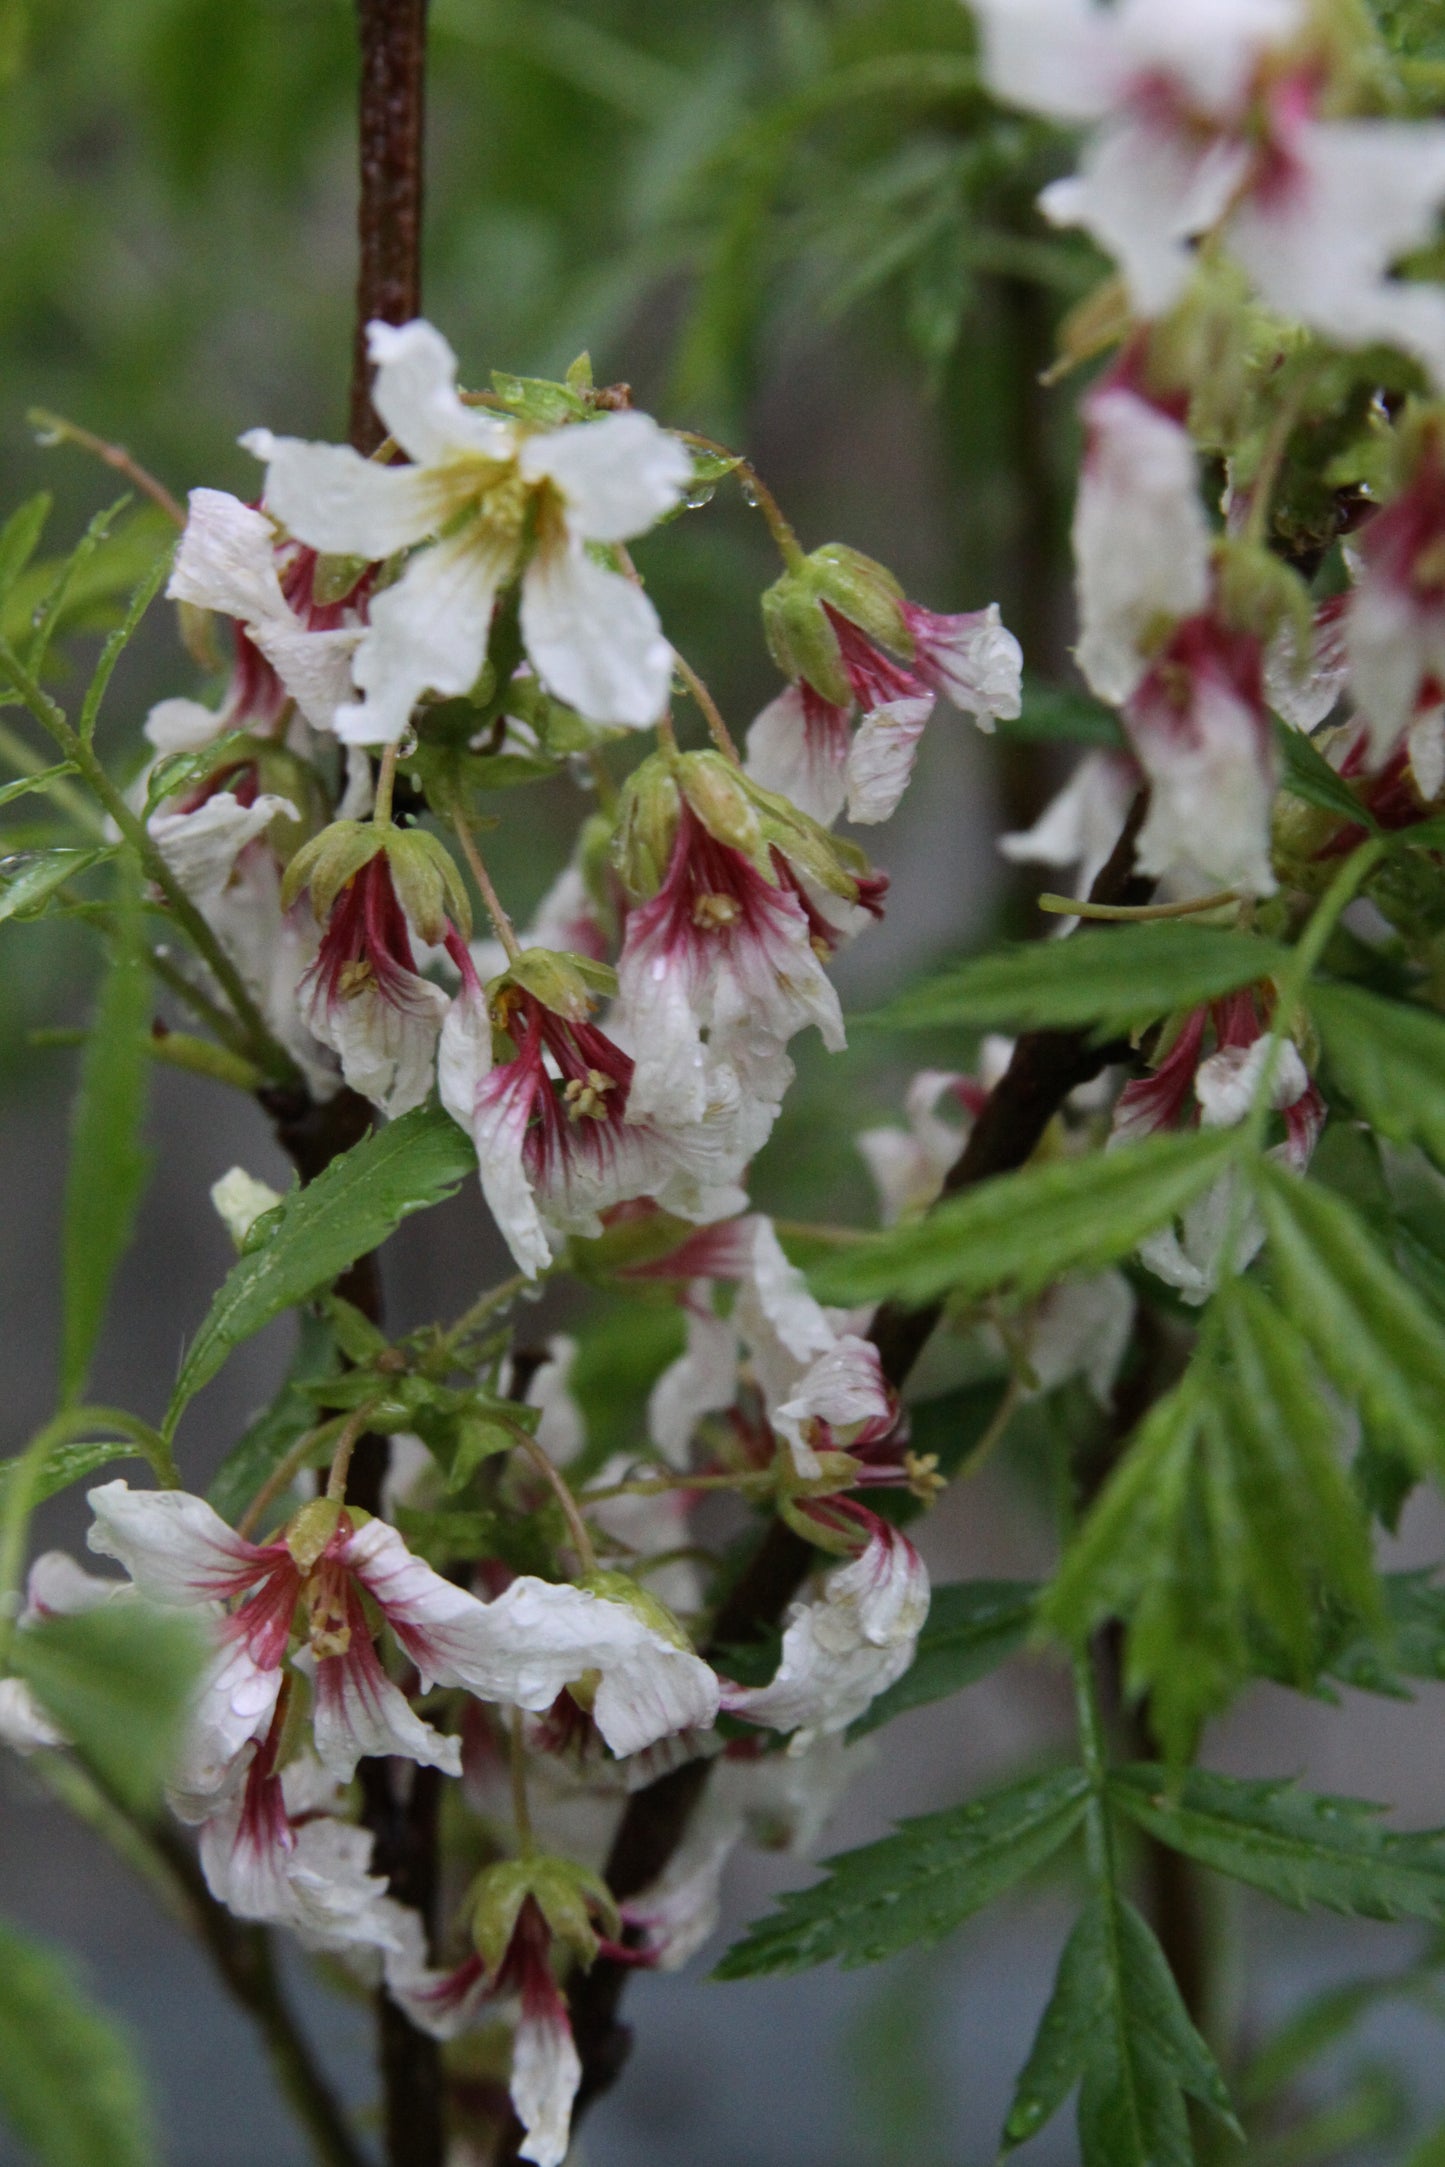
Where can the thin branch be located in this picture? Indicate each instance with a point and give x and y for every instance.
(391, 114)
(55, 429)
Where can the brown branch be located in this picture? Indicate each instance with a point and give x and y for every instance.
(1046, 1066)
(388, 287)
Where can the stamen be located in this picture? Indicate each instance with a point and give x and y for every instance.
(711, 912)
(588, 1097)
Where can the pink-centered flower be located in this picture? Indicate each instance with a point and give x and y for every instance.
(1199, 725)
(1395, 617)
(308, 1605)
(800, 745)
(849, 1643)
(546, 2068)
(722, 961)
(557, 1141)
(364, 997)
(1208, 120)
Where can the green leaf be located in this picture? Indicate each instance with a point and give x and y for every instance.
(66, 1463)
(917, 1884)
(118, 1681)
(1116, 2021)
(1308, 775)
(118, 640)
(50, 611)
(19, 539)
(316, 1232)
(1411, 1643)
(70, 2087)
(1390, 1058)
(108, 1166)
(1114, 979)
(1229, 1521)
(25, 785)
(270, 1437)
(1295, 1845)
(1026, 1230)
(972, 1627)
(1370, 1330)
(28, 882)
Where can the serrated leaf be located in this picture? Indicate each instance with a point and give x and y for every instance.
(107, 1170)
(917, 1884)
(972, 1627)
(1114, 980)
(1116, 2020)
(70, 2087)
(1307, 774)
(1026, 1230)
(118, 1681)
(270, 1437)
(1411, 1643)
(49, 611)
(1390, 1058)
(316, 1232)
(1369, 1328)
(28, 881)
(1296, 1845)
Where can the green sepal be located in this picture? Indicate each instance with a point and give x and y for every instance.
(569, 985)
(428, 883)
(615, 1587)
(647, 816)
(329, 861)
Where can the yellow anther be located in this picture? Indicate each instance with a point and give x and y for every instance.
(711, 912)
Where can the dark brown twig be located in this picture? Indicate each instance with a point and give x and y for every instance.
(392, 105)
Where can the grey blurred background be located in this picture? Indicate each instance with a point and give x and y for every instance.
(791, 223)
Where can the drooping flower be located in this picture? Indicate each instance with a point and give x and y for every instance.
(851, 642)
(1199, 725)
(1142, 543)
(842, 1402)
(908, 1165)
(1208, 120)
(483, 500)
(845, 1646)
(556, 1142)
(1082, 824)
(56, 1587)
(289, 645)
(1395, 616)
(316, 1581)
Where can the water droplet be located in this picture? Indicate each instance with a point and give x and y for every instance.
(695, 499)
(750, 495)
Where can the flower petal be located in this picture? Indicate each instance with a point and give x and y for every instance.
(226, 560)
(546, 2074)
(330, 497)
(414, 393)
(595, 639)
(617, 475)
(360, 1714)
(428, 633)
(798, 747)
(882, 756)
(176, 1548)
(702, 1381)
(201, 847)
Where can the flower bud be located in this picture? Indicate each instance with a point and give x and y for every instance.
(800, 639)
(1259, 594)
(863, 591)
(312, 1528)
(428, 884)
(721, 797)
(646, 827)
(569, 985)
(328, 862)
(241, 1200)
(568, 1896)
(618, 1587)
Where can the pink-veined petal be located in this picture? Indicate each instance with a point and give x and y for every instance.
(176, 1548)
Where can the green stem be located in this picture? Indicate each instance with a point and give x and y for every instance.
(178, 1049)
(271, 1056)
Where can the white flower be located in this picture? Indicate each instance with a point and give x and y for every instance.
(880, 762)
(908, 1165)
(840, 1401)
(230, 560)
(702, 1381)
(1304, 689)
(1082, 824)
(56, 1588)
(846, 1646)
(364, 997)
(476, 481)
(798, 747)
(1395, 617)
(1081, 1328)
(1142, 545)
(24, 1725)
(1199, 726)
(201, 846)
(1207, 115)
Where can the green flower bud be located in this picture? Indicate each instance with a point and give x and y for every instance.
(646, 827)
(721, 798)
(568, 1896)
(622, 1588)
(800, 639)
(570, 986)
(329, 861)
(428, 883)
(863, 591)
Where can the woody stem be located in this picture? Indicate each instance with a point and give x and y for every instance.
(390, 117)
